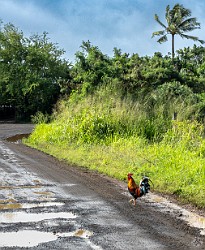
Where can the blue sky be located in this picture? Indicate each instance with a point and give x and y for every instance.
(125, 24)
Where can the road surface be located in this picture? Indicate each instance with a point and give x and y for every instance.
(47, 204)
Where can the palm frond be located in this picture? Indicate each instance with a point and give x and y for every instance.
(180, 10)
(201, 41)
(167, 15)
(194, 38)
(185, 12)
(157, 19)
(179, 14)
(158, 33)
(189, 25)
(162, 39)
(176, 13)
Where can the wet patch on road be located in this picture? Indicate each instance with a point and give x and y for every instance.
(4, 205)
(193, 219)
(45, 193)
(32, 210)
(31, 238)
(24, 217)
(10, 206)
(25, 238)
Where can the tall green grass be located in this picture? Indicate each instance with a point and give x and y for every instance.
(115, 135)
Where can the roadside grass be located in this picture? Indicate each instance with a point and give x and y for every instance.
(172, 168)
(114, 137)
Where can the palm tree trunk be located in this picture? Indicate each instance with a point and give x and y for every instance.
(172, 46)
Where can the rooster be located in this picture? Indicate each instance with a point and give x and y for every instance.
(137, 190)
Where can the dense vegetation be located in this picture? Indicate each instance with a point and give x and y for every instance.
(132, 113)
(112, 114)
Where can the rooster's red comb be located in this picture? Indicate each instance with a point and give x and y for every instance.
(129, 174)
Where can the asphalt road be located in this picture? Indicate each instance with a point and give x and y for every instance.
(47, 204)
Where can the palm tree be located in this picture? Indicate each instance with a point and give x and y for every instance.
(178, 22)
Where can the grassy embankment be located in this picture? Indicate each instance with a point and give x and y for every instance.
(114, 136)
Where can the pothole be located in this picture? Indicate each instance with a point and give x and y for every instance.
(15, 205)
(23, 217)
(32, 238)
(10, 206)
(25, 238)
(44, 193)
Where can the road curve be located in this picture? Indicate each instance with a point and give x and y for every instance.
(48, 204)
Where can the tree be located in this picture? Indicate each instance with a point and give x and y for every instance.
(12, 52)
(91, 68)
(30, 69)
(179, 21)
(43, 68)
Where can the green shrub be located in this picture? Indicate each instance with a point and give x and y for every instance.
(116, 135)
(39, 118)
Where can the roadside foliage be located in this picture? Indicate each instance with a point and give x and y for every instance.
(30, 69)
(138, 114)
